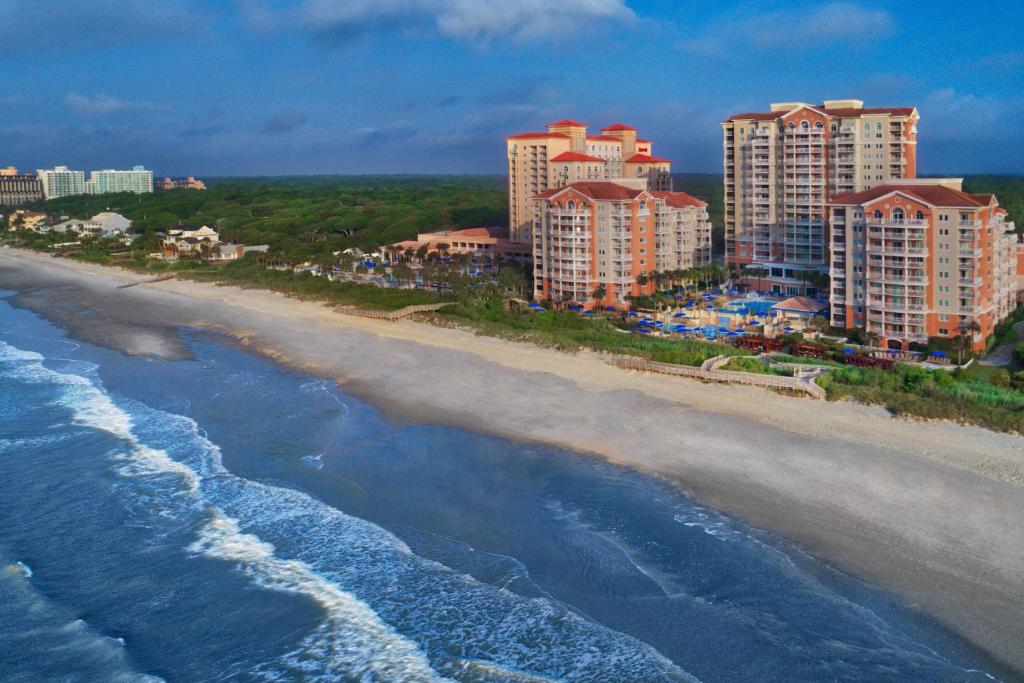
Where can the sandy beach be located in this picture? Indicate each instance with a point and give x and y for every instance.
(931, 511)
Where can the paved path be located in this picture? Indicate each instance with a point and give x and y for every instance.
(1004, 354)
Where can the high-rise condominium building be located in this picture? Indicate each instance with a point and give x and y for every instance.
(137, 180)
(17, 189)
(61, 182)
(921, 259)
(782, 167)
(596, 232)
(565, 154)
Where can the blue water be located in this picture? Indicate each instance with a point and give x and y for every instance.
(224, 518)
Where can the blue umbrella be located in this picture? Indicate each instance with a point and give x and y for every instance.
(788, 329)
(753, 322)
(679, 315)
(588, 313)
(938, 354)
(632, 314)
(849, 352)
(609, 309)
(534, 304)
(680, 296)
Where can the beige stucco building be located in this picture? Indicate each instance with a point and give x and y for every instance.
(782, 166)
(593, 233)
(921, 259)
(565, 154)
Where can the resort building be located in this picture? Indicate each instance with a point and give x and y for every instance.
(921, 259)
(137, 180)
(105, 224)
(22, 219)
(61, 182)
(565, 154)
(782, 166)
(18, 189)
(189, 183)
(191, 241)
(599, 233)
(484, 243)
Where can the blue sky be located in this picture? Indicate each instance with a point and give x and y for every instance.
(419, 86)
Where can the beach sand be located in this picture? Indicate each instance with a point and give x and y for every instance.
(931, 511)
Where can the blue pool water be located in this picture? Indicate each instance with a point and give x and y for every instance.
(223, 518)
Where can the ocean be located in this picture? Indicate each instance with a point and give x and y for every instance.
(224, 518)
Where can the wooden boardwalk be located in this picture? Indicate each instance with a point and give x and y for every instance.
(390, 315)
(803, 383)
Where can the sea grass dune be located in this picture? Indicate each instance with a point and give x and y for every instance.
(932, 511)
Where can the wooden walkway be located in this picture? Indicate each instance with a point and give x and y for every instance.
(803, 383)
(390, 315)
(151, 280)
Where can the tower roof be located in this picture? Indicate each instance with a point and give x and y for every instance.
(567, 122)
(618, 126)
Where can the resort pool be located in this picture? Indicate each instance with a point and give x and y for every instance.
(753, 307)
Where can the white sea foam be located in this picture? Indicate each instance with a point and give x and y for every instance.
(372, 587)
(24, 568)
(353, 638)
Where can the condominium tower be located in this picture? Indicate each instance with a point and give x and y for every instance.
(17, 189)
(137, 180)
(597, 233)
(921, 259)
(565, 154)
(781, 168)
(61, 182)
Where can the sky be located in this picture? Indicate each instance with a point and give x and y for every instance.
(272, 87)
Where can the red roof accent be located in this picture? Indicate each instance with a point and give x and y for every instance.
(575, 156)
(642, 140)
(596, 189)
(935, 195)
(834, 113)
(618, 126)
(679, 200)
(646, 159)
(605, 138)
(536, 135)
(567, 122)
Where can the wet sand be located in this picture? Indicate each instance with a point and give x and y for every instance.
(932, 511)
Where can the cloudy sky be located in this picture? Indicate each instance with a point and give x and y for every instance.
(414, 86)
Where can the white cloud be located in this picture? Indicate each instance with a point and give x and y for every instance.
(103, 105)
(830, 23)
(464, 20)
(949, 115)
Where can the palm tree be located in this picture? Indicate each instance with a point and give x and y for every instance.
(598, 295)
(965, 338)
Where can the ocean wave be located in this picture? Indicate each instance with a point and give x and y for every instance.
(369, 582)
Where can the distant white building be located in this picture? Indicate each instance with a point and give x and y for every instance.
(191, 240)
(106, 224)
(232, 252)
(61, 182)
(137, 180)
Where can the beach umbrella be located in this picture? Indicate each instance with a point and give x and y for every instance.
(610, 309)
(632, 314)
(938, 354)
(539, 309)
(588, 313)
(849, 352)
(788, 329)
(753, 322)
(534, 304)
(680, 296)
(680, 314)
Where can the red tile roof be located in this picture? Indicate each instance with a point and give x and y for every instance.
(935, 195)
(575, 156)
(838, 113)
(567, 122)
(605, 138)
(679, 200)
(618, 126)
(536, 135)
(801, 304)
(642, 140)
(596, 189)
(646, 159)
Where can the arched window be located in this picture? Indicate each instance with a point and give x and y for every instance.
(571, 206)
(791, 125)
(878, 126)
(643, 204)
(819, 125)
(897, 214)
(565, 170)
(803, 125)
(639, 171)
(920, 215)
(867, 126)
(834, 127)
(878, 214)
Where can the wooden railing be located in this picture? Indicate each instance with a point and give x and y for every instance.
(803, 384)
(390, 315)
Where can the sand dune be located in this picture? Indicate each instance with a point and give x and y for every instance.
(933, 511)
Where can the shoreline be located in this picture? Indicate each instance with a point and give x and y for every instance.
(930, 511)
